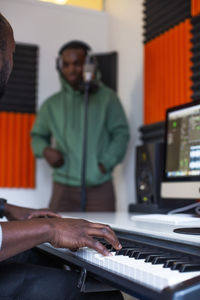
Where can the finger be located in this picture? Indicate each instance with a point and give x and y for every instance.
(99, 225)
(31, 217)
(49, 212)
(52, 214)
(106, 233)
(35, 215)
(105, 228)
(96, 245)
(38, 214)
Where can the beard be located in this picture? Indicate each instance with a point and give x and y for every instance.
(4, 74)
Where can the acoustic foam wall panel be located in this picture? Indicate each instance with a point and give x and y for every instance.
(195, 7)
(16, 159)
(108, 65)
(161, 15)
(17, 112)
(21, 91)
(167, 72)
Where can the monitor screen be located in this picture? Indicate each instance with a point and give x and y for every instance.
(182, 152)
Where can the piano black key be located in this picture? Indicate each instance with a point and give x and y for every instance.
(163, 259)
(144, 254)
(112, 249)
(186, 267)
(177, 264)
(109, 247)
(128, 250)
(123, 251)
(135, 252)
(170, 262)
(129, 244)
(151, 257)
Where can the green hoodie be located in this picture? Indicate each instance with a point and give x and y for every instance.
(61, 117)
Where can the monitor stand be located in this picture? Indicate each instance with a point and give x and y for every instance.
(188, 230)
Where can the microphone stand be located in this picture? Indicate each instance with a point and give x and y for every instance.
(84, 153)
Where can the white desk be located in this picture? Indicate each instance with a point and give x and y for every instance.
(123, 222)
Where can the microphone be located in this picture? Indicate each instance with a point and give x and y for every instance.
(88, 68)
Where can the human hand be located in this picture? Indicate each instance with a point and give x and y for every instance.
(42, 213)
(53, 157)
(102, 168)
(13, 212)
(78, 233)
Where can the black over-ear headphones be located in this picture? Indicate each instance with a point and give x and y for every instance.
(75, 44)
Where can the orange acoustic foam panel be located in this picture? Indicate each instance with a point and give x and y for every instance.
(167, 72)
(17, 163)
(195, 7)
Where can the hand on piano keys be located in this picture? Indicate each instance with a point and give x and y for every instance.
(77, 233)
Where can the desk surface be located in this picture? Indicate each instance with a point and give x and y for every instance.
(123, 222)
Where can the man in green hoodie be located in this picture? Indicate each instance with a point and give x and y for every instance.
(61, 117)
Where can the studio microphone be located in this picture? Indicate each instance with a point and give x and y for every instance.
(88, 68)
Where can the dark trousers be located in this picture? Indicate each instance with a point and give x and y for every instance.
(27, 277)
(67, 198)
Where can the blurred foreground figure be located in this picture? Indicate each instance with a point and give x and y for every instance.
(31, 275)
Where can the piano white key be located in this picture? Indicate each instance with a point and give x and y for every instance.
(143, 273)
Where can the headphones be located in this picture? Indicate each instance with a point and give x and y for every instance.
(75, 44)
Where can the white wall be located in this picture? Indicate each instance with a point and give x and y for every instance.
(49, 26)
(125, 36)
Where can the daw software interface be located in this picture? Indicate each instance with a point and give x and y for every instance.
(183, 142)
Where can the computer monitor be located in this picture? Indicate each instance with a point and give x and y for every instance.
(181, 178)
